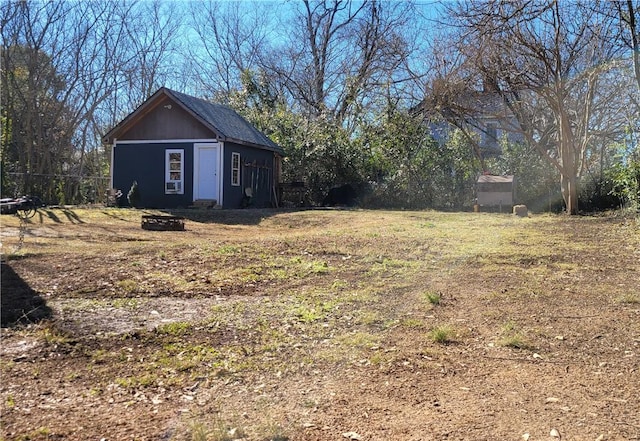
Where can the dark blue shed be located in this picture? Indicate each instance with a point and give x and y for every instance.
(184, 151)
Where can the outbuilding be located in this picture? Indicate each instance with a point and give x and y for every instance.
(184, 151)
(496, 191)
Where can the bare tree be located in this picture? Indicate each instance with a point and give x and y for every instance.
(65, 68)
(330, 58)
(548, 61)
(626, 11)
(340, 55)
(450, 97)
(153, 31)
(36, 103)
(231, 38)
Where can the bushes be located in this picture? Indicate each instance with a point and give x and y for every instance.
(616, 187)
(393, 162)
(597, 193)
(625, 180)
(409, 169)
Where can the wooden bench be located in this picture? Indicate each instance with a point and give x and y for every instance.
(162, 223)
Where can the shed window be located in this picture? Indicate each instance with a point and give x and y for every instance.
(174, 172)
(235, 169)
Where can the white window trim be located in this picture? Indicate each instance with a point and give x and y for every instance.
(178, 185)
(235, 183)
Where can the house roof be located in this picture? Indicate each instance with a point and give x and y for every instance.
(222, 120)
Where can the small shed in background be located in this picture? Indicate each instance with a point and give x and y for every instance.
(496, 191)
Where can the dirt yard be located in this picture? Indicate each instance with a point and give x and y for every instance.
(320, 325)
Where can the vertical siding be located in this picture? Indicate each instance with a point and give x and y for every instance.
(167, 120)
(256, 172)
(145, 163)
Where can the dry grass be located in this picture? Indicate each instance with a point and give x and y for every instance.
(300, 312)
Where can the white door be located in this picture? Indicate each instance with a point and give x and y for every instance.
(205, 173)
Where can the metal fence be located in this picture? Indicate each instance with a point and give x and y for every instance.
(58, 189)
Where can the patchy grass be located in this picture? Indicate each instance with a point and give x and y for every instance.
(128, 303)
(630, 299)
(313, 324)
(433, 298)
(135, 382)
(512, 336)
(442, 334)
(211, 429)
(175, 329)
(128, 285)
(53, 335)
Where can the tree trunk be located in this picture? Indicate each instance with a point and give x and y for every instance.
(569, 169)
(569, 188)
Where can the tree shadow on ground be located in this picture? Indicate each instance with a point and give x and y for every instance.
(20, 303)
(50, 214)
(247, 216)
(72, 216)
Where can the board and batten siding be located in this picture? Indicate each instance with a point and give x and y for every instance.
(208, 135)
(256, 172)
(167, 120)
(145, 164)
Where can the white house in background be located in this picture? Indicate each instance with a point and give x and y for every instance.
(483, 112)
(489, 117)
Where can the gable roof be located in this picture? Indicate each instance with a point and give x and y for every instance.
(222, 120)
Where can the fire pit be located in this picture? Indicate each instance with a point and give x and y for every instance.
(162, 223)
